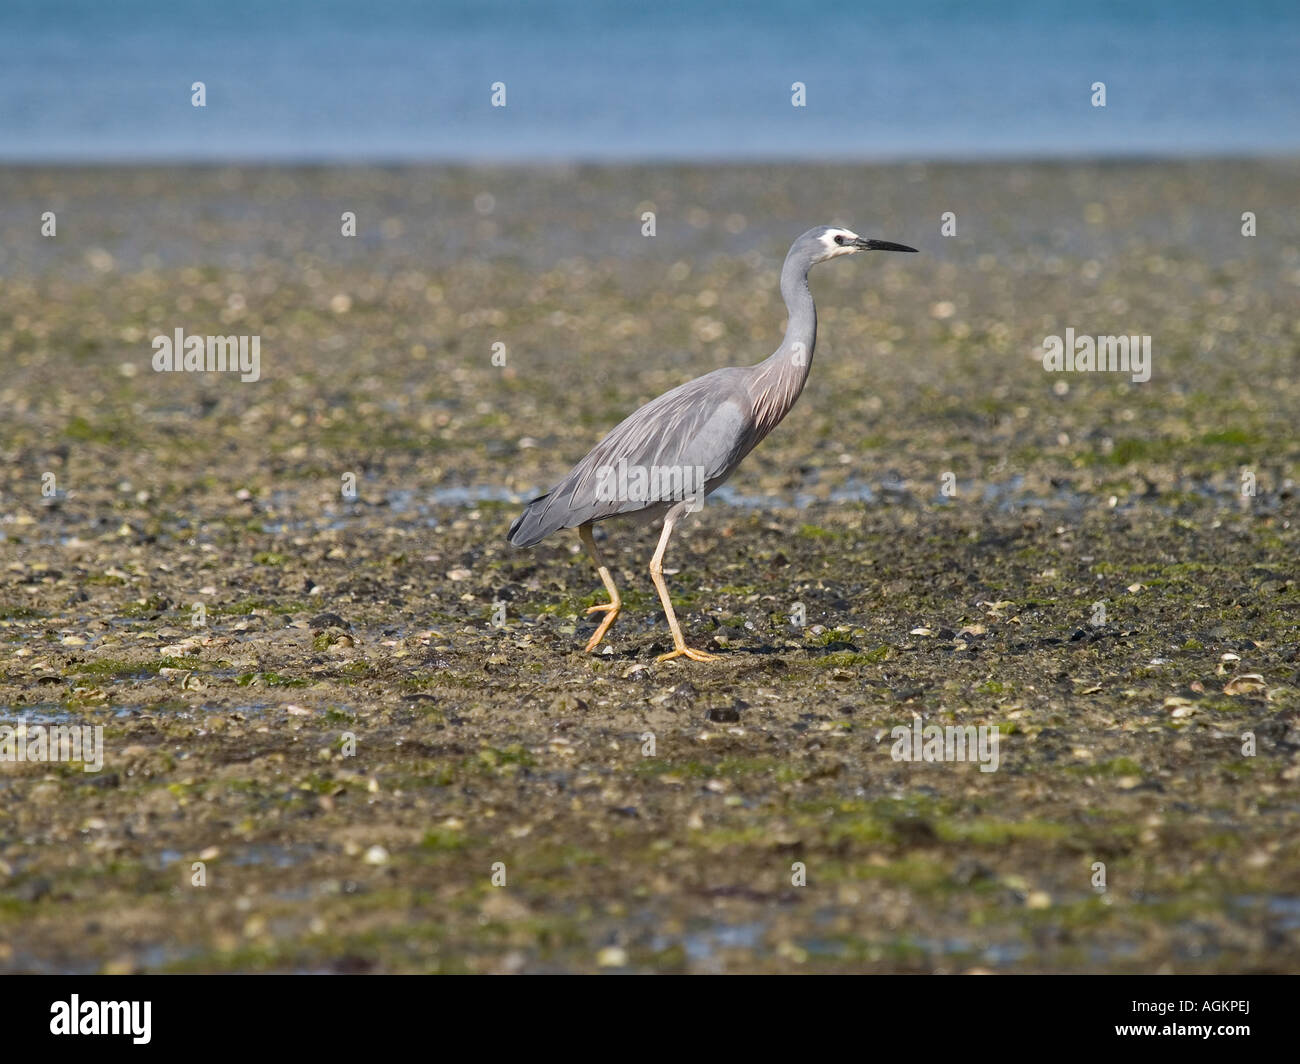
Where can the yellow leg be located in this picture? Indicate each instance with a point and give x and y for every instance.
(657, 575)
(609, 609)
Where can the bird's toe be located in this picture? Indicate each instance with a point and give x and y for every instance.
(687, 652)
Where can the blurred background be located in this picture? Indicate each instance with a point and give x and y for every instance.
(685, 79)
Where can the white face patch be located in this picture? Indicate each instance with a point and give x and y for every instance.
(833, 249)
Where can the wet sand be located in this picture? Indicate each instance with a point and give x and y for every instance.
(386, 707)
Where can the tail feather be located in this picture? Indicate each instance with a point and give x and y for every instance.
(531, 526)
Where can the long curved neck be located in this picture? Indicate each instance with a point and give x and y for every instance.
(779, 379)
(801, 329)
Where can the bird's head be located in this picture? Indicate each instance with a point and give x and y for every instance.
(831, 241)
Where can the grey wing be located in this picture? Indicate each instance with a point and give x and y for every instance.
(698, 431)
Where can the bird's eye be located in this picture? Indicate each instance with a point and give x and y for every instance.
(839, 238)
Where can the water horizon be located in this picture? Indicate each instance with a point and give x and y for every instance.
(689, 82)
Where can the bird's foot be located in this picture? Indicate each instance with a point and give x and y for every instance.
(687, 652)
(610, 609)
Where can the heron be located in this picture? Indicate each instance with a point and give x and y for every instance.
(663, 459)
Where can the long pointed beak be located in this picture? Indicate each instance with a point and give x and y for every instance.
(880, 245)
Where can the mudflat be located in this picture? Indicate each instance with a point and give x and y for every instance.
(346, 727)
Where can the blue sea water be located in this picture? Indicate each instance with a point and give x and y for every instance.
(294, 80)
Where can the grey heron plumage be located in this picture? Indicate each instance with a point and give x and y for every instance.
(684, 444)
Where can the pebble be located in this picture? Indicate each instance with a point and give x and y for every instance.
(1248, 683)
